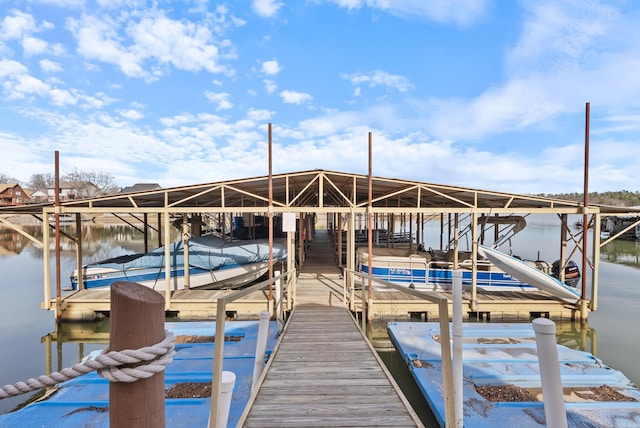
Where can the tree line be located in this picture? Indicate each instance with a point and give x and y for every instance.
(620, 198)
(101, 179)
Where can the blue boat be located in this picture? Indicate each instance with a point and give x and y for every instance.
(84, 401)
(213, 263)
(504, 356)
(432, 270)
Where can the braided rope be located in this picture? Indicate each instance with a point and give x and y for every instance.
(107, 364)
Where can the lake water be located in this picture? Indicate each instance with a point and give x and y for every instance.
(25, 329)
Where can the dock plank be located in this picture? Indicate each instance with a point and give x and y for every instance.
(324, 373)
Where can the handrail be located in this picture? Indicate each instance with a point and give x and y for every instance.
(218, 353)
(445, 336)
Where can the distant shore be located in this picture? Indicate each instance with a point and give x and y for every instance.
(29, 220)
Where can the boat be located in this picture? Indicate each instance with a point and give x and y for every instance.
(525, 272)
(432, 270)
(213, 263)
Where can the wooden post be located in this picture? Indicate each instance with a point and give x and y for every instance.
(137, 320)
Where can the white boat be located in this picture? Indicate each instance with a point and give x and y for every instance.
(213, 263)
(529, 274)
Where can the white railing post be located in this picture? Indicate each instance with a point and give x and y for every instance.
(261, 347)
(457, 349)
(552, 392)
(278, 296)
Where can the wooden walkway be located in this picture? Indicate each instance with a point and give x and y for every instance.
(324, 372)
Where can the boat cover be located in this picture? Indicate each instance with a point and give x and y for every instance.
(206, 252)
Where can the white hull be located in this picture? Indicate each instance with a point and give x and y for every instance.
(530, 275)
(234, 277)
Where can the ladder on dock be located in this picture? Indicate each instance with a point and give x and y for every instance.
(325, 373)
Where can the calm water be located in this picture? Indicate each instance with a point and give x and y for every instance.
(25, 330)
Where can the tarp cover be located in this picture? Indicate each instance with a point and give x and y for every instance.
(207, 252)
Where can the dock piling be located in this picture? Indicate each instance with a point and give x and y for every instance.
(137, 321)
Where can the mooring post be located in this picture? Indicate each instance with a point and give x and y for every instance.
(137, 320)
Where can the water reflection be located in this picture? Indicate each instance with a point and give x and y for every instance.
(621, 252)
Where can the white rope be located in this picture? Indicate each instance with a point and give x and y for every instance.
(107, 364)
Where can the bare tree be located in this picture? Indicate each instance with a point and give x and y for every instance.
(5, 179)
(104, 181)
(40, 182)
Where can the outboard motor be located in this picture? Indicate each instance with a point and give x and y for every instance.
(571, 272)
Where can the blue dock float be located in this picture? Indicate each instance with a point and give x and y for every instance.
(505, 356)
(84, 401)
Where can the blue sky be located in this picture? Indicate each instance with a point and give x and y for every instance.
(478, 93)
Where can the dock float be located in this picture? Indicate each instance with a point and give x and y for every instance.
(501, 378)
(325, 373)
(84, 401)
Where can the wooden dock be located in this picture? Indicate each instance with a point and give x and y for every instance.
(325, 373)
(185, 304)
(321, 265)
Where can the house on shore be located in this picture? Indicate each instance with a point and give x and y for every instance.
(13, 194)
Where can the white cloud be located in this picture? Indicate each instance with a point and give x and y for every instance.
(185, 45)
(10, 68)
(61, 97)
(270, 86)
(259, 114)
(220, 99)
(271, 67)
(49, 66)
(154, 42)
(293, 97)
(70, 3)
(17, 25)
(460, 12)
(380, 78)
(33, 46)
(560, 35)
(266, 8)
(131, 114)
(18, 83)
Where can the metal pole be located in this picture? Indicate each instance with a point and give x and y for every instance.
(585, 222)
(270, 216)
(369, 234)
(57, 235)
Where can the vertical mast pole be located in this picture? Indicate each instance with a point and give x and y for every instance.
(585, 222)
(270, 217)
(57, 235)
(370, 233)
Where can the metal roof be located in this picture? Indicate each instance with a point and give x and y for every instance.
(319, 191)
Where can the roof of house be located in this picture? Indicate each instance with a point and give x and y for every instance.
(140, 187)
(5, 186)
